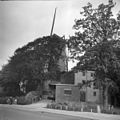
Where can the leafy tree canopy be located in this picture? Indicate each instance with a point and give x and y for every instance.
(35, 62)
(96, 38)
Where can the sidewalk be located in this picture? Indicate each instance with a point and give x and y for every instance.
(41, 107)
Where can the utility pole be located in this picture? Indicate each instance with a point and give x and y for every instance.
(53, 22)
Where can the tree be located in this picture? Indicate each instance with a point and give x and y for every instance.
(96, 38)
(8, 80)
(34, 63)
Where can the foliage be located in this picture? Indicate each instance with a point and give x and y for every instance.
(33, 96)
(72, 107)
(96, 39)
(32, 64)
(81, 107)
(22, 101)
(3, 100)
(111, 111)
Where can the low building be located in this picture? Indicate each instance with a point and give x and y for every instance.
(91, 90)
(84, 92)
(67, 93)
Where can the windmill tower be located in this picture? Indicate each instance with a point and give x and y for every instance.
(63, 63)
(53, 22)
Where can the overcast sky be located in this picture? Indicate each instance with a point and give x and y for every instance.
(24, 21)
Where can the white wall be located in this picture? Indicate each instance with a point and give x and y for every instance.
(79, 76)
(90, 97)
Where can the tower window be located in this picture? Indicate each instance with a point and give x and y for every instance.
(83, 73)
(92, 74)
(94, 93)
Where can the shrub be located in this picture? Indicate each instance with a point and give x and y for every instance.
(53, 105)
(63, 107)
(33, 96)
(22, 101)
(77, 108)
(58, 106)
(3, 100)
(112, 111)
(65, 103)
(48, 105)
(70, 108)
(106, 111)
(86, 109)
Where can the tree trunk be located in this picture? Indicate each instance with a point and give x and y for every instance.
(106, 97)
(115, 102)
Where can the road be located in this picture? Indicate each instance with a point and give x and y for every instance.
(9, 113)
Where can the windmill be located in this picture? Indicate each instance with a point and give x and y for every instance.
(65, 61)
(53, 22)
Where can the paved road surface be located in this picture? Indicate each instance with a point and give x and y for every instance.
(8, 113)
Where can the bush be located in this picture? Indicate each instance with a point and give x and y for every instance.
(106, 111)
(22, 101)
(53, 105)
(72, 107)
(48, 105)
(113, 111)
(3, 100)
(58, 106)
(77, 107)
(86, 109)
(63, 107)
(33, 96)
(65, 103)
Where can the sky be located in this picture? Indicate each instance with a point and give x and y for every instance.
(24, 21)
